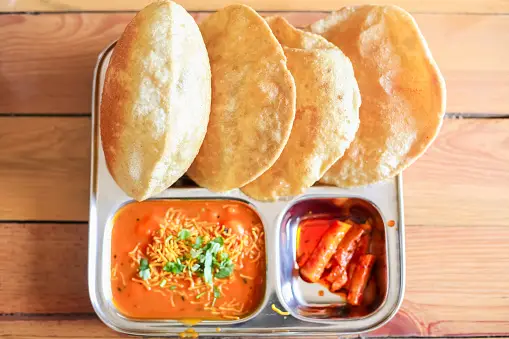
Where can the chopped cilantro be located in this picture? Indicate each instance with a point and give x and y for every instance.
(143, 264)
(219, 240)
(215, 245)
(214, 248)
(184, 234)
(198, 242)
(174, 267)
(144, 274)
(195, 253)
(207, 270)
(173, 287)
(144, 271)
(217, 293)
(225, 269)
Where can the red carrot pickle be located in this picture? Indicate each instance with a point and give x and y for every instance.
(360, 279)
(336, 254)
(315, 265)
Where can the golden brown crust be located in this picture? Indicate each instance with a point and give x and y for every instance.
(327, 116)
(402, 90)
(253, 102)
(156, 100)
(292, 37)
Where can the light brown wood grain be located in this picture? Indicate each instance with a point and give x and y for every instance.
(469, 6)
(44, 168)
(463, 179)
(49, 328)
(48, 60)
(456, 277)
(44, 268)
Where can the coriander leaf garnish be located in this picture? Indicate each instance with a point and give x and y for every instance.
(225, 269)
(174, 267)
(207, 270)
(198, 242)
(143, 264)
(217, 293)
(195, 253)
(219, 240)
(144, 270)
(214, 248)
(144, 274)
(184, 234)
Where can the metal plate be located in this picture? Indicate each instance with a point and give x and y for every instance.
(106, 198)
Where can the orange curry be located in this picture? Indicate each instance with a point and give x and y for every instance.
(187, 260)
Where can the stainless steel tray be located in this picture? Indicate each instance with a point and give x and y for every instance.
(106, 197)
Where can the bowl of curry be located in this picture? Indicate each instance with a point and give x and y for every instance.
(188, 260)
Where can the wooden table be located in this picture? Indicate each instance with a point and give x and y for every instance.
(456, 196)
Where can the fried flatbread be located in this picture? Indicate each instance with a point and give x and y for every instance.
(403, 92)
(253, 100)
(327, 115)
(156, 100)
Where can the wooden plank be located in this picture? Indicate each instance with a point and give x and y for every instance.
(44, 168)
(462, 179)
(44, 268)
(49, 328)
(48, 60)
(456, 277)
(454, 6)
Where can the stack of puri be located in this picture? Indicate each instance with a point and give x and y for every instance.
(257, 104)
(285, 106)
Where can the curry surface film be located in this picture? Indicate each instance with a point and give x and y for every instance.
(160, 254)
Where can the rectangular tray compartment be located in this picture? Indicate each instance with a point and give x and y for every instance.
(303, 298)
(216, 322)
